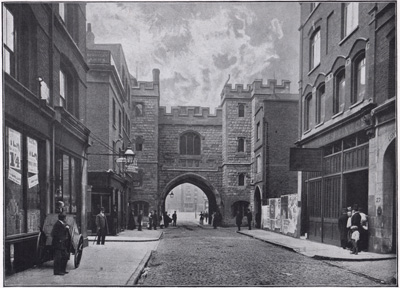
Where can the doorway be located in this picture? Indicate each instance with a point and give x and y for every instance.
(356, 189)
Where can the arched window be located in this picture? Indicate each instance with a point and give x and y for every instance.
(241, 143)
(339, 93)
(359, 79)
(190, 144)
(241, 110)
(241, 179)
(307, 112)
(315, 49)
(320, 104)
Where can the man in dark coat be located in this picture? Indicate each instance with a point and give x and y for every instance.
(60, 244)
(155, 220)
(343, 230)
(239, 218)
(102, 226)
(249, 218)
(174, 217)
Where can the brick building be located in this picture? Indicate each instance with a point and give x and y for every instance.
(108, 117)
(44, 70)
(347, 88)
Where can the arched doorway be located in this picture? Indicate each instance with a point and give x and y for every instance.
(257, 207)
(213, 196)
(389, 187)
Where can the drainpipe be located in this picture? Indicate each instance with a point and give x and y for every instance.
(50, 194)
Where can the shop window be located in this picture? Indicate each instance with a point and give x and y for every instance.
(307, 112)
(320, 105)
(241, 179)
(67, 181)
(190, 144)
(241, 110)
(359, 79)
(315, 49)
(22, 187)
(339, 92)
(349, 18)
(241, 144)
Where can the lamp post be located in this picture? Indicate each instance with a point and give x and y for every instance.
(171, 195)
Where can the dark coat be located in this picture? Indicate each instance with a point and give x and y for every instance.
(101, 223)
(239, 218)
(249, 216)
(60, 236)
(356, 220)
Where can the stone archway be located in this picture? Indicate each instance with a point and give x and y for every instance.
(213, 196)
(257, 207)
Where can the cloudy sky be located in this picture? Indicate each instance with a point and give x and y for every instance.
(196, 45)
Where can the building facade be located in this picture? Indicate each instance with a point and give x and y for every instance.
(108, 105)
(46, 140)
(347, 110)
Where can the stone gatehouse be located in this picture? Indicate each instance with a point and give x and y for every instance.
(190, 144)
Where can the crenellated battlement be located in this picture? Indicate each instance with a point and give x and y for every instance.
(257, 87)
(147, 88)
(190, 115)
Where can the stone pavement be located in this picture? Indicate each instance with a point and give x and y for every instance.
(117, 263)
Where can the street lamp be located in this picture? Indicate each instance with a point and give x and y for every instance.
(129, 155)
(171, 194)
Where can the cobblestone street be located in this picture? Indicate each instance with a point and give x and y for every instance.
(192, 255)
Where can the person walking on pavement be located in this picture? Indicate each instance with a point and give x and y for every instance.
(139, 219)
(114, 216)
(174, 217)
(249, 218)
(102, 226)
(150, 224)
(60, 243)
(343, 230)
(206, 217)
(239, 218)
(201, 218)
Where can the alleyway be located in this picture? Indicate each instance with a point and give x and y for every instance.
(192, 255)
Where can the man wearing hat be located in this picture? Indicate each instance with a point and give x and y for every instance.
(60, 234)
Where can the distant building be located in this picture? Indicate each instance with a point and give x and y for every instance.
(45, 137)
(108, 117)
(348, 96)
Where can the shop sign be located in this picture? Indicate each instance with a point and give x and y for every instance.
(14, 148)
(32, 156)
(14, 176)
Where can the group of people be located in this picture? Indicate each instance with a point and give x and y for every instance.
(353, 228)
(162, 220)
(203, 216)
(239, 218)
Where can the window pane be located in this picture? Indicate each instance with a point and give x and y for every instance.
(241, 179)
(189, 145)
(62, 88)
(182, 144)
(241, 110)
(33, 186)
(66, 185)
(361, 80)
(14, 208)
(240, 145)
(316, 49)
(8, 29)
(61, 11)
(196, 145)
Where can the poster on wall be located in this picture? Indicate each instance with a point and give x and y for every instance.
(14, 148)
(265, 223)
(32, 156)
(33, 181)
(292, 213)
(275, 213)
(14, 176)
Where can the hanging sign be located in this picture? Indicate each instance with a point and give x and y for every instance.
(33, 181)
(14, 176)
(32, 156)
(14, 148)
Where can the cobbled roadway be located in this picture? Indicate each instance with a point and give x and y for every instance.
(189, 255)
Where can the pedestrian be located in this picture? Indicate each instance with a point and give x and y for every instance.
(349, 214)
(214, 220)
(102, 227)
(201, 218)
(139, 219)
(114, 217)
(155, 220)
(150, 224)
(206, 217)
(249, 218)
(60, 243)
(343, 230)
(167, 219)
(131, 220)
(239, 218)
(355, 229)
(160, 220)
(174, 218)
(363, 230)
